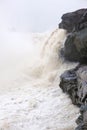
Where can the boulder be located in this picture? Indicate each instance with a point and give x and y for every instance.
(74, 21)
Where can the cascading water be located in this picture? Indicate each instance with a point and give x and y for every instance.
(30, 97)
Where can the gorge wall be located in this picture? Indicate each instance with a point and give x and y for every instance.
(74, 82)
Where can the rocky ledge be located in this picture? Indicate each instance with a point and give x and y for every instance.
(74, 21)
(74, 82)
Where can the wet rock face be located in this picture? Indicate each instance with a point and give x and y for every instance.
(76, 20)
(82, 119)
(74, 83)
(70, 51)
(82, 84)
(69, 84)
(75, 48)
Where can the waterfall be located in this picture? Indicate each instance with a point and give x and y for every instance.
(30, 69)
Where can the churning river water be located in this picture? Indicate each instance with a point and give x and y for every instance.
(30, 69)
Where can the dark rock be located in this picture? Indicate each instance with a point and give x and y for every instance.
(69, 84)
(75, 48)
(74, 83)
(81, 127)
(82, 84)
(74, 21)
(83, 123)
(70, 50)
(79, 120)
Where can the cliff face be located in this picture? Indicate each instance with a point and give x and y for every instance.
(76, 46)
(74, 82)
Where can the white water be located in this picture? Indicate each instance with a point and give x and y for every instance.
(30, 97)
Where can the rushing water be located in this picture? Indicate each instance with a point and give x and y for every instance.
(30, 96)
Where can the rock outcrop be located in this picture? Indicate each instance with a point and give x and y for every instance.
(74, 21)
(76, 46)
(69, 84)
(74, 82)
(82, 119)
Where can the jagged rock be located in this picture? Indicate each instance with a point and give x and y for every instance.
(75, 47)
(79, 120)
(81, 127)
(74, 83)
(82, 84)
(83, 123)
(69, 84)
(74, 21)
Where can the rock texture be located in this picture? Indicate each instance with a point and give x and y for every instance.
(74, 82)
(75, 48)
(82, 119)
(74, 21)
(69, 84)
(82, 84)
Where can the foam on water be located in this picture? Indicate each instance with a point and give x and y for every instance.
(30, 97)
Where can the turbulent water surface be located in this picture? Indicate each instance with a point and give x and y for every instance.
(30, 97)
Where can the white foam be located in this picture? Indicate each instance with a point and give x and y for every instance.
(30, 97)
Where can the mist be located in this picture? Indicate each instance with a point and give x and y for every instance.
(35, 15)
(31, 65)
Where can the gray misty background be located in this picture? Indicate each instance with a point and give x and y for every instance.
(35, 15)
